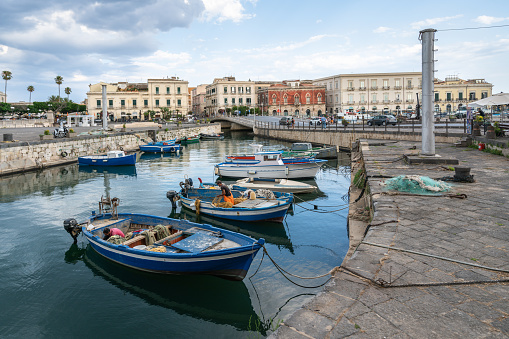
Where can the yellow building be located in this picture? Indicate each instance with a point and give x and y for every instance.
(135, 100)
(453, 92)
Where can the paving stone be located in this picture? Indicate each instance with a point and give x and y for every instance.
(310, 323)
(502, 325)
(373, 295)
(284, 332)
(346, 286)
(330, 305)
(447, 294)
(477, 293)
(374, 326)
(480, 311)
(343, 329)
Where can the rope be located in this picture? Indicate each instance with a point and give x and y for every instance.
(316, 206)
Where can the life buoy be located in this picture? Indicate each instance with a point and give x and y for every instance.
(63, 154)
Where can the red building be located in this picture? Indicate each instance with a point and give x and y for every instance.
(297, 98)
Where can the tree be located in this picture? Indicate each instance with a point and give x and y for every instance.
(67, 91)
(30, 89)
(6, 75)
(59, 80)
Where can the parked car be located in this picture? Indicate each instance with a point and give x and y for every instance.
(285, 121)
(383, 120)
(315, 121)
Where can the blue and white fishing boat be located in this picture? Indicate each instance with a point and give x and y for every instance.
(166, 146)
(112, 158)
(250, 208)
(166, 245)
(268, 165)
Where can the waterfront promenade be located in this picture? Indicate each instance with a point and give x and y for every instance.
(423, 296)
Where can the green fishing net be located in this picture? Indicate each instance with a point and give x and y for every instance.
(416, 184)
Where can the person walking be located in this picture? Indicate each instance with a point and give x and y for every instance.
(293, 123)
(323, 121)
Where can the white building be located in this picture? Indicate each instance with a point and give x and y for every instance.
(227, 92)
(161, 97)
(3, 97)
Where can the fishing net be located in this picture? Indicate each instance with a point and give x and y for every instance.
(416, 184)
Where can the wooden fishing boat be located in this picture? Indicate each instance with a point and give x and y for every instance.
(212, 136)
(256, 208)
(275, 185)
(268, 165)
(190, 140)
(112, 158)
(166, 245)
(167, 146)
(306, 149)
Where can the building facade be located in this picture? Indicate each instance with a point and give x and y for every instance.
(225, 93)
(137, 100)
(3, 97)
(372, 92)
(199, 100)
(297, 98)
(453, 92)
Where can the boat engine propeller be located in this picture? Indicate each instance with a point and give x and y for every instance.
(72, 227)
(173, 197)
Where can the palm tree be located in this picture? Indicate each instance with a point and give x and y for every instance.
(67, 91)
(59, 81)
(6, 75)
(30, 89)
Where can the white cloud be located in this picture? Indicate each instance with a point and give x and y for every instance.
(319, 21)
(222, 10)
(431, 22)
(488, 20)
(381, 29)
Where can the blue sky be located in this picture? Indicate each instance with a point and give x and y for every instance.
(89, 41)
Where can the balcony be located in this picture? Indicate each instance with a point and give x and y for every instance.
(362, 88)
(122, 106)
(410, 87)
(419, 87)
(387, 101)
(363, 102)
(397, 87)
(397, 101)
(351, 102)
(374, 101)
(135, 106)
(374, 88)
(350, 89)
(386, 87)
(409, 101)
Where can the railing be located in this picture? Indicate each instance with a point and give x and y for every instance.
(397, 101)
(409, 100)
(386, 87)
(397, 87)
(374, 88)
(350, 89)
(350, 102)
(362, 88)
(410, 87)
(374, 101)
(386, 101)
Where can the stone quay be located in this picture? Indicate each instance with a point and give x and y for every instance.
(446, 273)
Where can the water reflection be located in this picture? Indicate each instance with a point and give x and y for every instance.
(208, 298)
(157, 157)
(112, 171)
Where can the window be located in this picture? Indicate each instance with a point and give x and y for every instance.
(134, 102)
(167, 102)
(471, 96)
(350, 84)
(225, 89)
(409, 83)
(363, 98)
(350, 98)
(437, 96)
(167, 90)
(233, 101)
(241, 90)
(330, 99)
(248, 101)
(460, 95)
(296, 99)
(336, 98)
(157, 102)
(308, 98)
(285, 99)
(98, 103)
(145, 102)
(363, 84)
(179, 103)
(110, 103)
(274, 99)
(448, 96)
(386, 83)
(373, 97)
(484, 95)
(319, 98)
(178, 90)
(122, 102)
(232, 89)
(240, 101)
(157, 90)
(336, 85)
(330, 85)
(226, 101)
(409, 96)
(386, 97)
(373, 83)
(248, 90)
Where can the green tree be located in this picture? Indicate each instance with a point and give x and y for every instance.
(6, 75)
(67, 91)
(30, 89)
(59, 80)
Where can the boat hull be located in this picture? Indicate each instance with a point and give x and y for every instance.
(230, 263)
(285, 171)
(275, 186)
(104, 161)
(160, 148)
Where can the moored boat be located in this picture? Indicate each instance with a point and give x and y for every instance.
(166, 245)
(275, 185)
(268, 165)
(112, 158)
(190, 140)
(167, 146)
(212, 136)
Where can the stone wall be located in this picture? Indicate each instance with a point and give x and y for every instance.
(345, 138)
(26, 156)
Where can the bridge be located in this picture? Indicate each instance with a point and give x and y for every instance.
(342, 136)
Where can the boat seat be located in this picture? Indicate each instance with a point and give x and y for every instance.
(134, 241)
(170, 237)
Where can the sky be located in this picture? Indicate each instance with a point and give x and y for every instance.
(89, 41)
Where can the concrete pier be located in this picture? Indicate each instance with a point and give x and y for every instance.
(389, 293)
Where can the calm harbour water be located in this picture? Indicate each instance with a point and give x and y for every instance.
(52, 288)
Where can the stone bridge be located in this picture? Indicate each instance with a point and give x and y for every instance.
(339, 135)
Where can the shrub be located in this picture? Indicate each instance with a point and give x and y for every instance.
(344, 122)
(71, 131)
(46, 132)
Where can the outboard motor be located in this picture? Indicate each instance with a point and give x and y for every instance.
(189, 182)
(173, 197)
(72, 227)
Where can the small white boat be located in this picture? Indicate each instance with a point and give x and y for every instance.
(276, 185)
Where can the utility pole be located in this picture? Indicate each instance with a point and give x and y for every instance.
(428, 128)
(105, 110)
